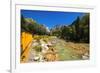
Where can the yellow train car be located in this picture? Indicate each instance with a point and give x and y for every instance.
(26, 40)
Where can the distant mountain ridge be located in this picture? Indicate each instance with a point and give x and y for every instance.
(77, 31)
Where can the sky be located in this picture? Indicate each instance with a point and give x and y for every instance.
(51, 18)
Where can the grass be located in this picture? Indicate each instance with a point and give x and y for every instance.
(38, 48)
(65, 53)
